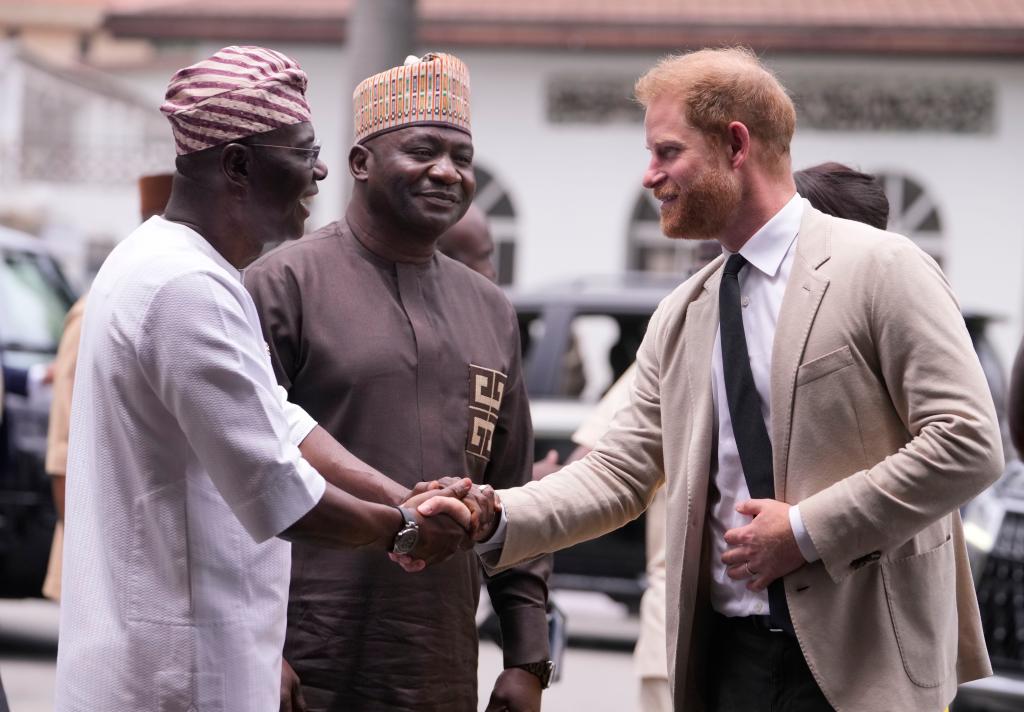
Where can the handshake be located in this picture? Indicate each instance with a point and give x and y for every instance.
(451, 514)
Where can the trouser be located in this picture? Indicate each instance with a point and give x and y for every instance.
(754, 669)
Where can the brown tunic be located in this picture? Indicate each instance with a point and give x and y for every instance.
(416, 369)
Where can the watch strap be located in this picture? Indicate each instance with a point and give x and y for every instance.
(408, 516)
(543, 670)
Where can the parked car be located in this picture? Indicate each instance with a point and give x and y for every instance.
(604, 320)
(34, 297)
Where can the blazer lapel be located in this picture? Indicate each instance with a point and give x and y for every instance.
(803, 296)
(699, 332)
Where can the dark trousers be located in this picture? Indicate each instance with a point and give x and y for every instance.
(752, 669)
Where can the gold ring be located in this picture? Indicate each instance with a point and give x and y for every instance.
(750, 571)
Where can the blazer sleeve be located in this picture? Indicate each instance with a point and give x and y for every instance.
(936, 384)
(605, 490)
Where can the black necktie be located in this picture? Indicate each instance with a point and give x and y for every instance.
(752, 442)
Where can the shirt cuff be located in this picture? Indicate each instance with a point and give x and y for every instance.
(497, 539)
(291, 497)
(300, 423)
(803, 539)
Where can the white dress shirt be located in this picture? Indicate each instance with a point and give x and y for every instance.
(770, 253)
(183, 467)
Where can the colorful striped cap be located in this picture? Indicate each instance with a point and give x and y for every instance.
(238, 92)
(431, 90)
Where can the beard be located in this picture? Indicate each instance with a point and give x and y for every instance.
(702, 210)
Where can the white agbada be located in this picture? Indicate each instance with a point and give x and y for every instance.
(183, 467)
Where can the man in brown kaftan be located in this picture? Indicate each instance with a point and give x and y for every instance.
(412, 361)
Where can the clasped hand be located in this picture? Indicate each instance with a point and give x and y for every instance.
(459, 514)
(765, 549)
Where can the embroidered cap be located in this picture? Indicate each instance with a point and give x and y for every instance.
(431, 90)
(238, 92)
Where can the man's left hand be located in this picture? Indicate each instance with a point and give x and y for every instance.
(765, 549)
(291, 690)
(515, 690)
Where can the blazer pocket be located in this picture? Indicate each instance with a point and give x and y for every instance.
(921, 592)
(824, 365)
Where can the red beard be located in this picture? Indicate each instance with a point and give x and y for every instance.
(703, 209)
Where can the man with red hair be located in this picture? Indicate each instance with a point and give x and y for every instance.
(812, 401)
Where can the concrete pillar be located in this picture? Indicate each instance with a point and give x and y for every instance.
(381, 34)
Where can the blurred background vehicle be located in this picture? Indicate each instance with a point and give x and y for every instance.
(34, 297)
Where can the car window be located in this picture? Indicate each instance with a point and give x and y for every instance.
(32, 302)
(578, 355)
(586, 360)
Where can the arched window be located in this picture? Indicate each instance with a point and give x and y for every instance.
(494, 200)
(650, 251)
(913, 212)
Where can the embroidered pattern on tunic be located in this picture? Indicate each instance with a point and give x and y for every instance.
(486, 388)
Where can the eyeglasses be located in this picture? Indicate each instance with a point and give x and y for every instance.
(312, 154)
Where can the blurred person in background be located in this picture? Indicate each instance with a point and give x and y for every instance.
(836, 189)
(1015, 402)
(469, 241)
(412, 361)
(188, 470)
(154, 191)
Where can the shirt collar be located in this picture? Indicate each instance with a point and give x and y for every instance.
(767, 248)
(200, 242)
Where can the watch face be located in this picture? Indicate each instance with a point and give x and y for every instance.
(405, 540)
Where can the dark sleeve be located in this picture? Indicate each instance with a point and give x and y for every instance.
(520, 594)
(275, 291)
(16, 380)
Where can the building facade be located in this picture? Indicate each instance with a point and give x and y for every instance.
(928, 95)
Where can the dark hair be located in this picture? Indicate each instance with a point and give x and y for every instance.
(845, 193)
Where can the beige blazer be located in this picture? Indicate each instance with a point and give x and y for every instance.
(882, 425)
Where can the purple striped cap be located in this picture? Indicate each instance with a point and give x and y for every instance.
(238, 92)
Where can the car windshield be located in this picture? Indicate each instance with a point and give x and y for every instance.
(33, 302)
